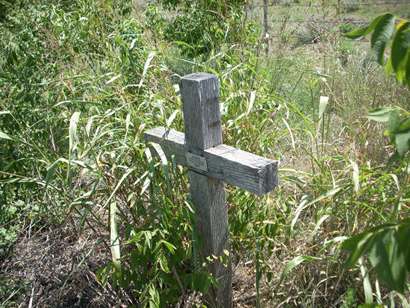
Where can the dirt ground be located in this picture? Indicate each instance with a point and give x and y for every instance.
(56, 268)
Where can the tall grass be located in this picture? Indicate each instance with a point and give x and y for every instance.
(81, 81)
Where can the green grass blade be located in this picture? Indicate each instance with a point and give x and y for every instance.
(114, 236)
(5, 136)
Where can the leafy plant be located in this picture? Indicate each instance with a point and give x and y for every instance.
(388, 251)
(350, 5)
(81, 80)
(387, 245)
(202, 26)
(398, 130)
(389, 30)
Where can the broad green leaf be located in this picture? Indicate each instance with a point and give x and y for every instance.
(378, 255)
(394, 121)
(408, 71)
(399, 51)
(404, 126)
(381, 35)
(406, 36)
(389, 252)
(388, 67)
(402, 142)
(364, 30)
(397, 267)
(386, 257)
(5, 136)
(358, 245)
(401, 73)
(357, 33)
(380, 114)
(403, 235)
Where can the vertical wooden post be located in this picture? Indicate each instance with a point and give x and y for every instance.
(210, 162)
(203, 130)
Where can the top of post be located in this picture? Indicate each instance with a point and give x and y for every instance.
(206, 84)
(198, 77)
(202, 117)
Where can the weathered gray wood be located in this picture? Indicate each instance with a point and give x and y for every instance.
(211, 225)
(202, 131)
(242, 169)
(202, 118)
(235, 167)
(171, 141)
(210, 164)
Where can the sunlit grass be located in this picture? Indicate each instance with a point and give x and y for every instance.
(81, 82)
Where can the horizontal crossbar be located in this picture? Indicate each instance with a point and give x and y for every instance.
(235, 167)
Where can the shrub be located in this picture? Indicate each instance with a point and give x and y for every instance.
(350, 6)
(200, 27)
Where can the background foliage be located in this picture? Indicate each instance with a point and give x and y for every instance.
(386, 244)
(81, 80)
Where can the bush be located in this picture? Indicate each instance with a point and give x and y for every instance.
(200, 27)
(350, 6)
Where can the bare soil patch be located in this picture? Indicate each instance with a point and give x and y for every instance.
(56, 268)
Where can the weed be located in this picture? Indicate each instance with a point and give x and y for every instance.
(351, 5)
(82, 80)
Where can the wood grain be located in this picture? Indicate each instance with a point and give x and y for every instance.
(210, 164)
(202, 117)
(203, 130)
(235, 167)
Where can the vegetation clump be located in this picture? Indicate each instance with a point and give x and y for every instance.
(80, 82)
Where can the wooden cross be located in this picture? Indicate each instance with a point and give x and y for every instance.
(210, 164)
